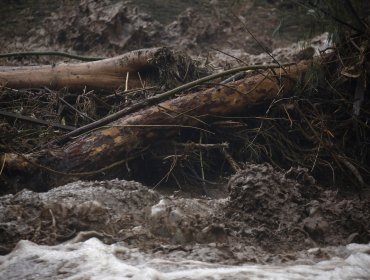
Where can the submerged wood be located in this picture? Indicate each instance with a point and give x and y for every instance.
(131, 134)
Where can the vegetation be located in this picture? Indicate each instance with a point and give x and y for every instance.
(324, 124)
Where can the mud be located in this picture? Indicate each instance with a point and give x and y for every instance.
(210, 29)
(268, 216)
(265, 216)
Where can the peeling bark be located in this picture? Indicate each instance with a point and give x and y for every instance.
(108, 74)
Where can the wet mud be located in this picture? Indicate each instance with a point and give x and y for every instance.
(267, 216)
(211, 29)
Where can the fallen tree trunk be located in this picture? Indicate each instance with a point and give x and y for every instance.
(143, 66)
(131, 134)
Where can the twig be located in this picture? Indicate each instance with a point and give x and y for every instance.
(53, 222)
(201, 160)
(289, 118)
(2, 166)
(261, 124)
(353, 169)
(162, 126)
(225, 53)
(126, 82)
(192, 145)
(234, 78)
(186, 114)
(260, 44)
(141, 81)
(234, 165)
(34, 120)
(317, 155)
(131, 91)
(165, 177)
(88, 173)
(50, 53)
(76, 110)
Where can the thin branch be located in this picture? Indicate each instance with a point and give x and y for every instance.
(88, 173)
(50, 53)
(234, 165)
(83, 115)
(193, 146)
(3, 164)
(34, 120)
(161, 126)
(260, 44)
(232, 56)
(76, 110)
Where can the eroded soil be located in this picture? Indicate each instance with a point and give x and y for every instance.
(267, 216)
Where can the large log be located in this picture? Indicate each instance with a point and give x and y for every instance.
(108, 74)
(131, 134)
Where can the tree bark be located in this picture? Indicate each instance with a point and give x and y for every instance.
(130, 134)
(108, 74)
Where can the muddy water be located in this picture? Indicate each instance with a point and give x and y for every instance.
(94, 260)
(123, 230)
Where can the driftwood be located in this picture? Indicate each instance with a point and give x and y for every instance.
(130, 135)
(127, 71)
(158, 98)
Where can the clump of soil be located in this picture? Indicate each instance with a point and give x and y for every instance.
(281, 211)
(93, 25)
(59, 214)
(267, 212)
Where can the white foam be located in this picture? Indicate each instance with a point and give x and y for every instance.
(94, 260)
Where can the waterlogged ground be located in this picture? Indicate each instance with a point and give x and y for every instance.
(269, 224)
